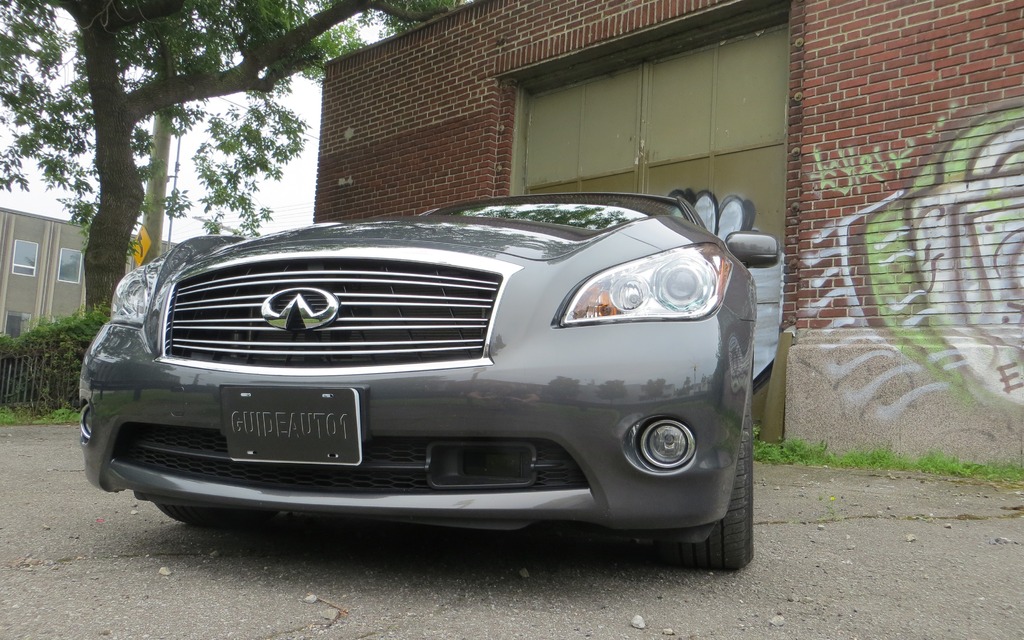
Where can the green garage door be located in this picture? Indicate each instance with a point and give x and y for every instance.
(711, 121)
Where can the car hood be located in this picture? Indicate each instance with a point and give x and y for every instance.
(475, 236)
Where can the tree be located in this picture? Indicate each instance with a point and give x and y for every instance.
(653, 389)
(562, 389)
(79, 80)
(612, 390)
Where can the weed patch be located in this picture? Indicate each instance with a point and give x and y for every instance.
(18, 416)
(799, 452)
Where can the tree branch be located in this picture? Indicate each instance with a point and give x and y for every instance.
(72, 7)
(246, 75)
(269, 80)
(111, 16)
(407, 15)
(255, 72)
(121, 17)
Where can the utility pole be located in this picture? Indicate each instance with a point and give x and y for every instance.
(156, 187)
(174, 191)
(149, 248)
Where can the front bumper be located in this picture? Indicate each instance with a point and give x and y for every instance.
(655, 369)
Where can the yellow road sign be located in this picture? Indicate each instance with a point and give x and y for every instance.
(142, 244)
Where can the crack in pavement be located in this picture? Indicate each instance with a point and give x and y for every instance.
(867, 516)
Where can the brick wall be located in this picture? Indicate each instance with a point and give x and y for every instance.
(907, 226)
(424, 120)
(893, 103)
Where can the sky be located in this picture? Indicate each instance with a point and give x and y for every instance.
(291, 199)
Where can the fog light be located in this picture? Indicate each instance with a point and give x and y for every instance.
(667, 444)
(85, 424)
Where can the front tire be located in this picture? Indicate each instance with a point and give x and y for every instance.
(215, 517)
(731, 543)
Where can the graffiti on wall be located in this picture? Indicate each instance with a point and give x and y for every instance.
(941, 264)
(728, 215)
(852, 168)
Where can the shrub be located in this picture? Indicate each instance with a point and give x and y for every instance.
(40, 368)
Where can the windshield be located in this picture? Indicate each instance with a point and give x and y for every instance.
(582, 216)
(586, 211)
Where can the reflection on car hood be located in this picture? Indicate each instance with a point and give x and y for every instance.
(478, 236)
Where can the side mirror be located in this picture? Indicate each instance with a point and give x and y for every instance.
(753, 249)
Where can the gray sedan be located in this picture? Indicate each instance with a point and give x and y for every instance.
(577, 357)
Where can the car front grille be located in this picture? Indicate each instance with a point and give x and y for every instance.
(389, 312)
(390, 464)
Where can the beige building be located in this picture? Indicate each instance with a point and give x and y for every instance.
(42, 274)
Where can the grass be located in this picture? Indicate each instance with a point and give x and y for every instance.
(19, 415)
(800, 452)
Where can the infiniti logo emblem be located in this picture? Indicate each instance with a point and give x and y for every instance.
(303, 309)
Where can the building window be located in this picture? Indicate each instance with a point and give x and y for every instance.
(16, 323)
(25, 253)
(70, 269)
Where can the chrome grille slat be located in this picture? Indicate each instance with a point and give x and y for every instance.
(383, 303)
(205, 302)
(341, 295)
(207, 328)
(442, 302)
(196, 326)
(411, 343)
(392, 312)
(481, 321)
(195, 306)
(463, 284)
(351, 272)
(353, 352)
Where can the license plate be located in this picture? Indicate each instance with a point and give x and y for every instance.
(304, 426)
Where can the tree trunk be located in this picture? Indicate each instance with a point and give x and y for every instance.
(110, 235)
(121, 193)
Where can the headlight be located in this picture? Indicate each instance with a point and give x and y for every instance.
(133, 293)
(681, 284)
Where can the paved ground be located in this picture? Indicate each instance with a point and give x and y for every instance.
(839, 554)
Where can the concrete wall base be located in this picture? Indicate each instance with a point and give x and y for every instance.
(958, 390)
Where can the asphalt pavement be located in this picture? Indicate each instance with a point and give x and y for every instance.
(838, 554)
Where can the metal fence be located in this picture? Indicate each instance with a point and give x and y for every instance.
(33, 381)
